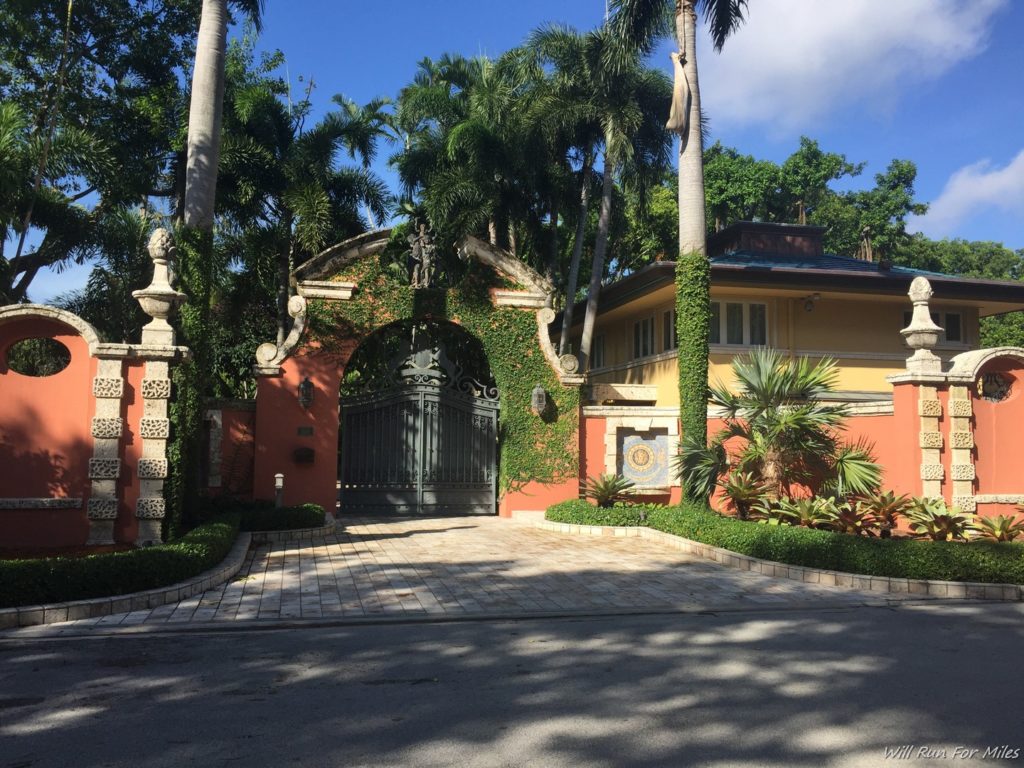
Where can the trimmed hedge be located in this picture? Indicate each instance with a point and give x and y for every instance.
(262, 515)
(270, 518)
(580, 512)
(60, 579)
(980, 561)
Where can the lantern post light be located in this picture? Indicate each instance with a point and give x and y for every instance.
(279, 490)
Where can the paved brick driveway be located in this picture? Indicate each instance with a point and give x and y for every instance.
(466, 566)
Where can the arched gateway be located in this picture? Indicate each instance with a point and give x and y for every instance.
(419, 357)
(419, 423)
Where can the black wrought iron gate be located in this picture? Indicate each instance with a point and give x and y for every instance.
(427, 445)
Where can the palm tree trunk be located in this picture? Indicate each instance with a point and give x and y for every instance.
(597, 268)
(204, 116)
(692, 227)
(577, 253)
(693, 272)
(552, 262)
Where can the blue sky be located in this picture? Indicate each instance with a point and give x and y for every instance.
(938, 82)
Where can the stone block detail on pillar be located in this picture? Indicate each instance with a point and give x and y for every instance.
(107, 428)
(150, 508)
(961, 408)
(966, 503)
(108, 387)
(159, 429)
(932, 472)
(102, 509)
(156, 389)
(961, 471)
(961, 439)
(104, 469)
(153, 468)
(931, 440)
(931, 408)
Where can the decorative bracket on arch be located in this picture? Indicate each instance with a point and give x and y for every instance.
(537, 295)
(269, 355)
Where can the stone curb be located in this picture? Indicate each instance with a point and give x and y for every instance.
(296, 534)
(921, 587)
(52, 613)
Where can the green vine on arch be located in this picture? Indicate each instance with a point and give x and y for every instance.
(531, 448)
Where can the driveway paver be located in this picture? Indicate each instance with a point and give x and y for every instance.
(460, 567)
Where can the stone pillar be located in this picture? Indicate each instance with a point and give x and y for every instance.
(924, 371)
(159, 300)
(155, 429)
(105, 464)
(929, 410)
(961, 443)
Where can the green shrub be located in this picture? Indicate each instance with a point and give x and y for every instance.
(60, 579)
(262, 515)
(580, 512)
(267, 517)
(981, 561)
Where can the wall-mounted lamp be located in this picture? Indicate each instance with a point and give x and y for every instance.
(810, 301)
(538, 400)
(306, 393)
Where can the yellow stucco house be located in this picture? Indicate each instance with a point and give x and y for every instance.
(773, 285)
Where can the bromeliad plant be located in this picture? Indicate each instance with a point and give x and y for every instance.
(932, 519)
(1000, 527)
(742, 492)
(785, 433)
(886, 508)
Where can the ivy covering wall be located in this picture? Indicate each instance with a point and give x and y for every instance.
(693, 317)
(531, 448)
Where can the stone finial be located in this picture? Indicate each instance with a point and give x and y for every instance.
(159, 300)
(922, 334)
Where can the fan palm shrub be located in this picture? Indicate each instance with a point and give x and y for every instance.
(606, 490)
(779, 427)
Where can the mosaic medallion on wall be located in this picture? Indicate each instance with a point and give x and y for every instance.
(645, 459)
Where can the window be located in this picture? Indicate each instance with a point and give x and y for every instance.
(952, 322)
(598, 356)
(715, 331)
(669, 340)
(737, 322)
(643, 338)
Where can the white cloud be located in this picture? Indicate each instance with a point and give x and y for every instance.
(972, 189)
(794, 61)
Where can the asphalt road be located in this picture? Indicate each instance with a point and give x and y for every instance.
(778, 688)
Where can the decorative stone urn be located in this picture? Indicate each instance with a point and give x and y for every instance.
(159, 300)
(922, 334)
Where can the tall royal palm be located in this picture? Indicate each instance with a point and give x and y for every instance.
(641, 23)
(626, 100)
(205, 106)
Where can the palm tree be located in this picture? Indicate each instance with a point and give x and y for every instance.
(640, 23)
(607, 102)
(205, 107)
(284, 194)
(782, 431)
